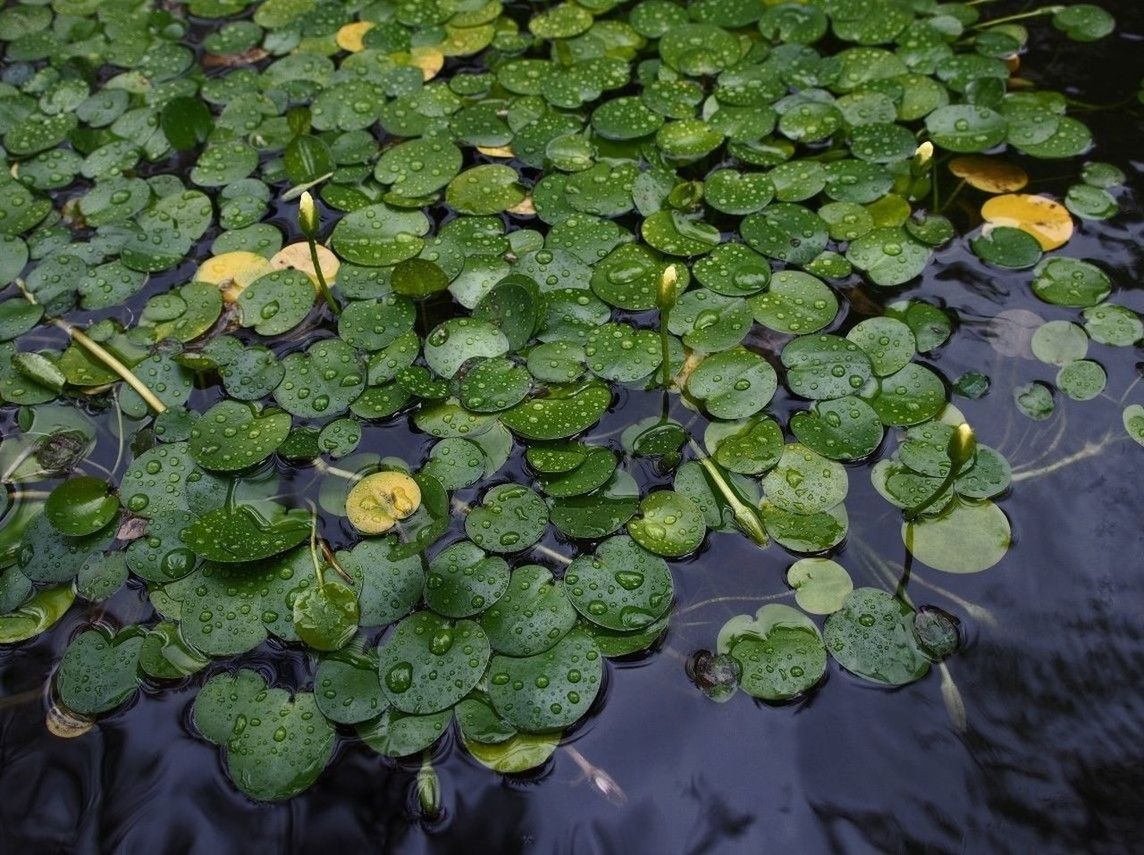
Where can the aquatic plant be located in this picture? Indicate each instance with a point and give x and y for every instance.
(489, 222)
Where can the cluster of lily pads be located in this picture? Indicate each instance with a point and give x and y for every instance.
(524, 215)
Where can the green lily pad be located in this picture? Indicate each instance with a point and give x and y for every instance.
(780, 651)
(872, 637)
(821, 586)
(968, 538)
(510, 518)
(1133, 419)
(748, 447)
(347, 688)
(966, 128)
(463, 580)
(81, 506)
(1082, 380)
(233, 435)
(549, 690)
(242, 533)
(38, 614)
(888, 256)
(1070, 282)
(532, 616)
(910, 396)
(520, 753)
(734, 384)
(621, 587)
(322, 381)
(1059, 343)
(275, 744)
(486, 189)
(822, 367)
(430, 662)
(1035, 400)
(99, 671)
(708, 321)
(398, 734)
(593, 471)
(326, 616)
(378, 235)
(564, 412)
(808, 533)
(786, 231)
(388, 586)
(668, 524)
(841, 429)
(796, 302)
(277, 302)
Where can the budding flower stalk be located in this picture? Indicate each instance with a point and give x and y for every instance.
(961, 448)
(665, 297)
(309, 224)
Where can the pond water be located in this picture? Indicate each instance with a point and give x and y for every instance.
(1052, 754)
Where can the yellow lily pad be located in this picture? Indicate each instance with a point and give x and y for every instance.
(990, 174)
(378, 501)
(296, 256)
(233, 271)
(1048, 221)
(350, 36)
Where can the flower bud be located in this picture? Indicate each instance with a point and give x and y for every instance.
(308, 216)
(962, 446)
(665, 294)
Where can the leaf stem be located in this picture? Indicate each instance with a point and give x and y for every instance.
(323, 287)
(314, 548)
(1021, 16)
(108, 359)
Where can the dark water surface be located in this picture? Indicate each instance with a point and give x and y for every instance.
(1052, 676)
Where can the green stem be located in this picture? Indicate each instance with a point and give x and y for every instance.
(960, 186)
(1035, 13)
(314, 549)
(324, 288)
(104, 356)
(962, 446)
(665, 347)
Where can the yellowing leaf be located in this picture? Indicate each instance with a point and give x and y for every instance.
(496, 151)
(297, 256)
(1048, 221)
(428, 59)
(232, 272)
(378, 501)
(989, 174)
(350, 36)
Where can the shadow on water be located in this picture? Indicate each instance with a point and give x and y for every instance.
(1052, 759)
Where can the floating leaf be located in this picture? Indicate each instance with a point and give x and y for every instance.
(275, 745)
(968, 538)
(98, 671)
(376, 503)
(549, 690)
(242, 533)
(872, 637)
(510, 518)
(463, 580)
(1048, 221)
(81, 505)
(232, 435)
(622, 587)
(780, 652)
(429, 662)
(820, 585)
